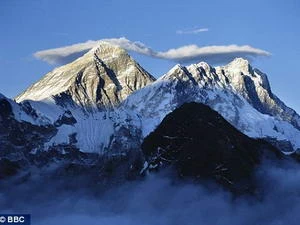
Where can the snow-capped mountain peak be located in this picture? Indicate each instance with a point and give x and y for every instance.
(204, 66)
(103, 77)
(241, 78)
(239, 65)
(240, 93)
(254, 86)
(107, 51)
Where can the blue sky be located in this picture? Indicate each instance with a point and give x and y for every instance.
(29, 26)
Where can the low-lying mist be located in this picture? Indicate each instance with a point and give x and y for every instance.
(158, 200)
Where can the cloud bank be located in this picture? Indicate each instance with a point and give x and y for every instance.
(216, 54)
(159, 201)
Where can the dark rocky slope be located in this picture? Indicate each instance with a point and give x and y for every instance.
(199, 143)
(20, 137)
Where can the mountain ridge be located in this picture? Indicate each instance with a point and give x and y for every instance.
(205, 84)
(109, 103)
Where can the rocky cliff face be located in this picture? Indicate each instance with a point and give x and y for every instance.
(239, 77)
(21, 131)
(101, 78)
(254, 86)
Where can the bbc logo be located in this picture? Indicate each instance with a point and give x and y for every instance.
(14, 219)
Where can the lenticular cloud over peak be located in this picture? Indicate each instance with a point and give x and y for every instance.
(215, 54)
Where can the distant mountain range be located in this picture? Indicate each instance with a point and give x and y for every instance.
(104, 105)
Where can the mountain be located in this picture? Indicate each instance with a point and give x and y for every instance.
(199, 143)
(87, 92)
(103, 77)
(104, 102)
(104, 117)
(241, 94)
(24, 135)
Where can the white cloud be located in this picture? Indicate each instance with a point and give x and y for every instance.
(192, 31)
(69, 53)
(183, 54)
(212, 54)
(64, 54)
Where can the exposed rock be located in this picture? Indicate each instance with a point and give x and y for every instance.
(18, 138)
(8, 168)
(200, 143)
(284, 145)
(254, 86)
(67, 119)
